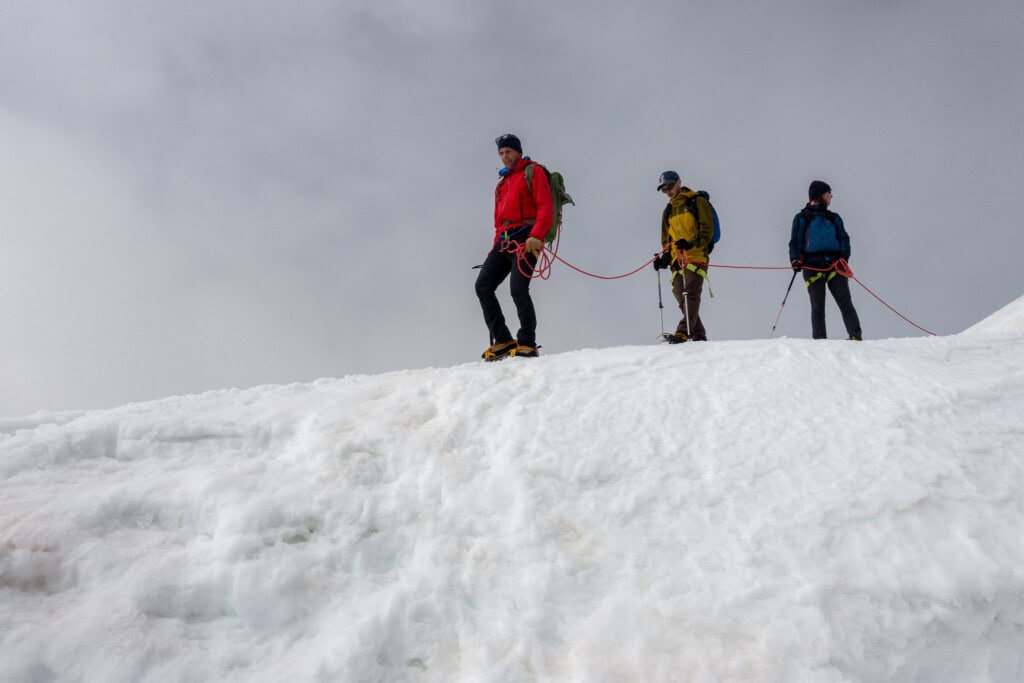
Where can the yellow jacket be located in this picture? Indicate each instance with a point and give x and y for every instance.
(678, 222)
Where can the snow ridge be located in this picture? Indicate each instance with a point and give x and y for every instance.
(761, 510)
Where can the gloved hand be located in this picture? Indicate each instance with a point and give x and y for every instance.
(534, 245)
(682, 244)
(661, 261)
(797, 264)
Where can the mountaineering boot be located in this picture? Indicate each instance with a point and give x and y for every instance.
(525, 352)
(854, 337)
(499, 351)
(674, 337)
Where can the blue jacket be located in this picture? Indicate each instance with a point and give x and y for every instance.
(824, 246)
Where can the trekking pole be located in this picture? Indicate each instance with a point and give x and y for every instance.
(661, 306)
(791, 281)
(686, 299)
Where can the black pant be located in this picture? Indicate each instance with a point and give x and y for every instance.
(839, 286)
(497, 266)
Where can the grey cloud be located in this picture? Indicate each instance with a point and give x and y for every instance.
(197, 196)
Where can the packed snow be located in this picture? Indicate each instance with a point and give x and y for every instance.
(769, 510)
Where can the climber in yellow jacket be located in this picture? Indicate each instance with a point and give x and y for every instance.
(687, 230)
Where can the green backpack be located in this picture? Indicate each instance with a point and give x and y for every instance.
(559, 197)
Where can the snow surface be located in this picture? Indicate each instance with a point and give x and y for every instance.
(1007, 321)
(782, 510)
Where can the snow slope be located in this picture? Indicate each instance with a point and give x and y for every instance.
(1007, 321)
(781, 510)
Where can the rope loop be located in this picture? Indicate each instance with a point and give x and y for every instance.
(843, 268)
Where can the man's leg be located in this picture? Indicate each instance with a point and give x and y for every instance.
(840, 288)
(495, 269)
(694, 285)
(520, 288)
(678, 291)
(816, 291)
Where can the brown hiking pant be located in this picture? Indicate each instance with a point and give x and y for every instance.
(687, 287)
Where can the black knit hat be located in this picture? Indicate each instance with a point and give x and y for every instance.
(817, 188)
(509, 140)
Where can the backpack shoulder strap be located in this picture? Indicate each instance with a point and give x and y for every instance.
(528, 173)
(805, 214)
(691, 205)
(531, 165)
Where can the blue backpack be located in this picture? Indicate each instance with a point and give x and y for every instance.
(821, 234)
(692, 204)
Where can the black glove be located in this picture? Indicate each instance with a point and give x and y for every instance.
(797, 265)
(661, 261)
(684, 244)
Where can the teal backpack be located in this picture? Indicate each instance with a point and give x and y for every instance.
(559, 197)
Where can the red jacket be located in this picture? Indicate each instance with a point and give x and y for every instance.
(515, 205)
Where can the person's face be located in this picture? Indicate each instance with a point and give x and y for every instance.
(508, 156)
(673, 189)
(826, 198)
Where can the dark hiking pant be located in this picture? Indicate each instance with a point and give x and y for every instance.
(687, 287)
(497, 266)
(839, 286)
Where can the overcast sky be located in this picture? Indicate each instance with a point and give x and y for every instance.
(198, 195)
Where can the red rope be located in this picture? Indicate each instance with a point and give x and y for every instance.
(607, 277)
(843, 268)
(547, 257)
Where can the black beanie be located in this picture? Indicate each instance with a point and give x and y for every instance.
(509, 140)
(817, 188)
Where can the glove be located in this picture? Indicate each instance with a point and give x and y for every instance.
(797, 264)
(661, 261)
(534, 245)
(684, 244)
